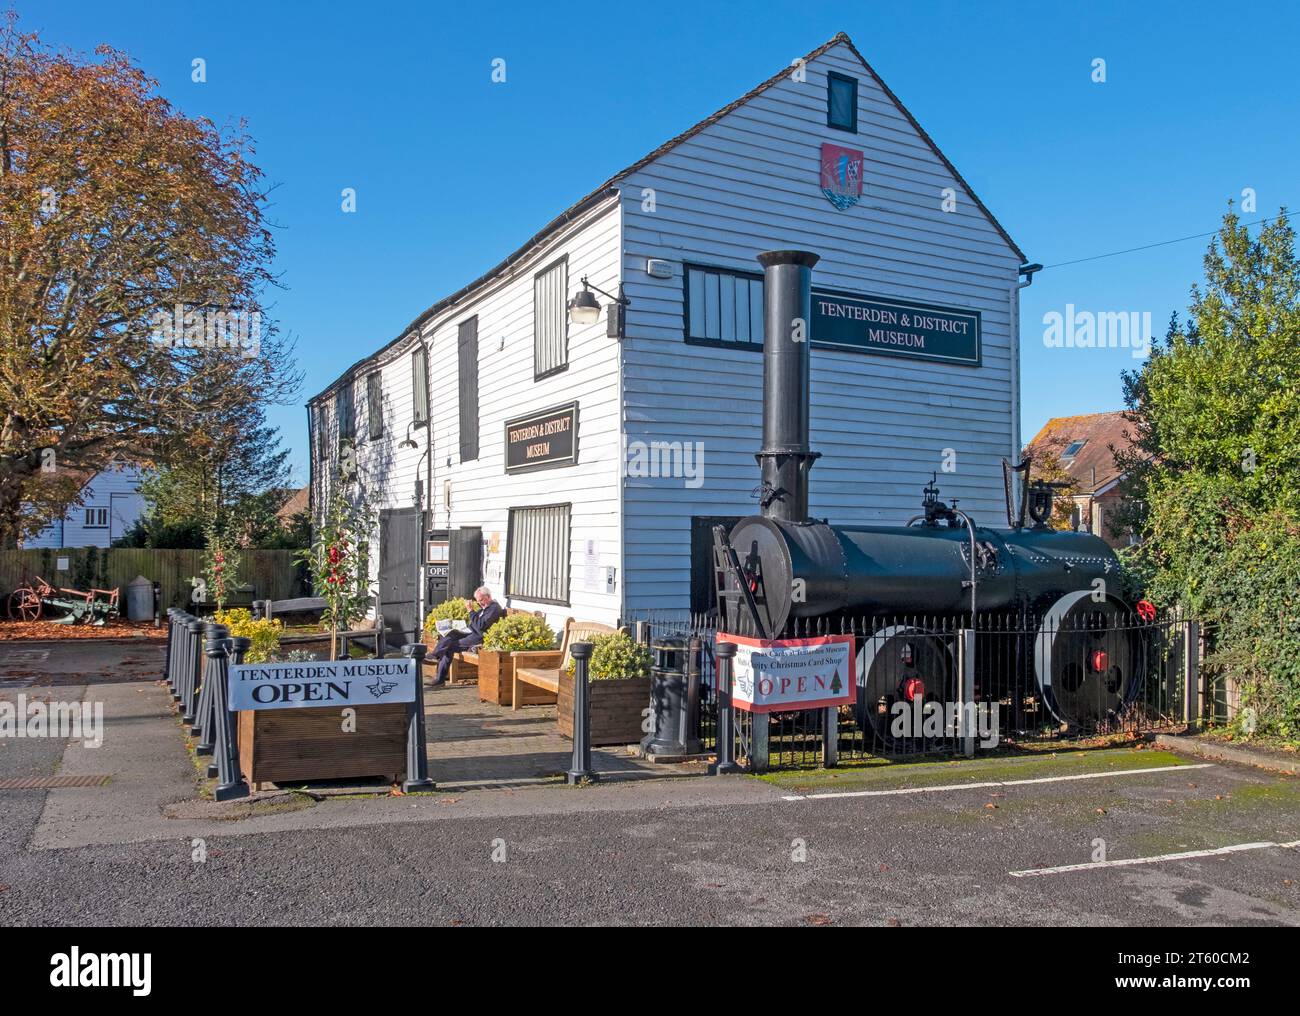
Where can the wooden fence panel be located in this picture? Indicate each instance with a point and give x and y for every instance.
(273, 573)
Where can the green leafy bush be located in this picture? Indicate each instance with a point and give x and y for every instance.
(616, 657)
(516, 633)
(455, 609)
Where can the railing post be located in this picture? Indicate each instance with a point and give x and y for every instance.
(581, 768)
(966, 720)
(1192, 674)
(167, 653)
(235, 649)
(230, 781)
(193, 662)
(726, 762)
(831, 738)
(203, 727)
(417, 754)
(177, 654)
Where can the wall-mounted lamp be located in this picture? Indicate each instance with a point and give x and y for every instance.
(407, 442)
(584, 308)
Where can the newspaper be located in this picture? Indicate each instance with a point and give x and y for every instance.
(460, 627)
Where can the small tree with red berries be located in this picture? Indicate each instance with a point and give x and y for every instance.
(220, 563)
(337, 560)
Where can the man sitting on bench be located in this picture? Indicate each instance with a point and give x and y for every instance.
(480, 621)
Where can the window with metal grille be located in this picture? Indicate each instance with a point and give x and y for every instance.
(467, 360)
(375, 405)
(724, 307)
(96, 518)
(550, 320)
(420, 385)
(842, 102)
(537, 554)
(343, 411)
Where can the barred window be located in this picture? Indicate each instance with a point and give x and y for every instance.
(375, 404)
(343, 411)
(724, 306)
(420, 385)
(96, 518)
(537, 554)
(550, 320)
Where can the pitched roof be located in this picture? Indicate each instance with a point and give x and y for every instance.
(1093, 466)
(608, 188)
(297, 502)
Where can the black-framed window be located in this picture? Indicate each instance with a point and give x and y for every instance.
(467, 363)
(537, 554)
(96, 518)
(842, 102)
(375, 404)
(550, 320)
(420, 385)
(343, 411)
(723, 307)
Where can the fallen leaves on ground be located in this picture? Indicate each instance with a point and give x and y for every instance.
(818, 919)
(18, 631)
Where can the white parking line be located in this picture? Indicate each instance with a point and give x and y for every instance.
(1123, 862)
(994, 783)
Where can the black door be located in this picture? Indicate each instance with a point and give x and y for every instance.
(399, 573)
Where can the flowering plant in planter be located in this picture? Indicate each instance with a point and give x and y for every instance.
(616, 657)
(517, 633)
(338, 562)
(455, 609)
(263, 634)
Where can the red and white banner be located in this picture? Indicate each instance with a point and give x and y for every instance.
(784, 675)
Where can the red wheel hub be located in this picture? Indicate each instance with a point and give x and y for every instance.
(913, 689)
(1146, 610)
(1099, 661)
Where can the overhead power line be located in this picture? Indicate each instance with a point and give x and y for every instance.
(1150, 246)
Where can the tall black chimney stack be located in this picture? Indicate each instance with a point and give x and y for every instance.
(786, 460)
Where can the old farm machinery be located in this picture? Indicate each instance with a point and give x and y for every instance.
(30, 601)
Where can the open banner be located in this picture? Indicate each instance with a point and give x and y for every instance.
(321, 683)
(784, 675)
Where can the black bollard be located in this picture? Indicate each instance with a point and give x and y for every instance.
(581, 768)
(169, 671)
(193, 665)
(230, 781)
(204, 722)
(235, 650)
(726, 763)
(417, 756)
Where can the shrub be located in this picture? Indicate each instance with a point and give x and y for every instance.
(616, 657)
(455, 609)
(263, 635)
(516, 633)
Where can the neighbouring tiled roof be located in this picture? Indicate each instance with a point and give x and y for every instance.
(1100, 432)
(608, 188)
(298, 501)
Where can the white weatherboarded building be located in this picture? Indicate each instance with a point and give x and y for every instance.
(544, 458)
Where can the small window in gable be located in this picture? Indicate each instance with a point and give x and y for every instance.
(842, 102)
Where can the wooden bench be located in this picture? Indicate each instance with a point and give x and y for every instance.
(268, 609)
(469, 657)
(540, 669)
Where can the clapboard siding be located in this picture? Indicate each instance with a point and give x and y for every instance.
(116, 488)
(481, 492)
(749, 182)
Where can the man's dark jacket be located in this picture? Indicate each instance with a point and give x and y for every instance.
(480, 621)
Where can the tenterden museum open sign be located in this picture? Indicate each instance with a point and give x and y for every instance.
(868, 324)
(321, 683)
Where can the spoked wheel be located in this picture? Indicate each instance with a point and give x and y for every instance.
(1089, 660)
(25, 605)
(901, 669)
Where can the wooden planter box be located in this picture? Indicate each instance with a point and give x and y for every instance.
(617, 709)
(496, 676)
(300, 745)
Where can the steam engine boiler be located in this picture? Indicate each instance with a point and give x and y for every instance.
(781, 572)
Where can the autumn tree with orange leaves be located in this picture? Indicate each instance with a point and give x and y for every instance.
(120, 217)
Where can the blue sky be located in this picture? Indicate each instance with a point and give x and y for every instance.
(452, 172)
